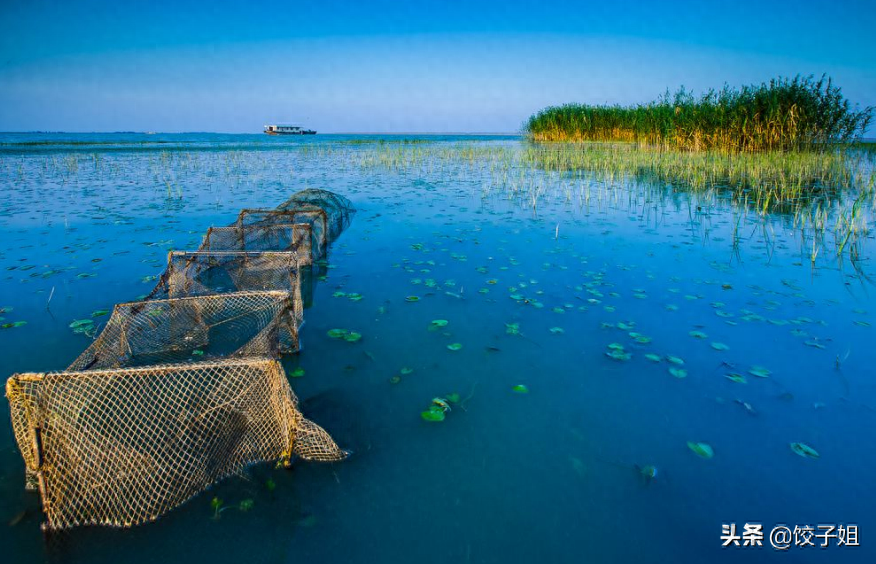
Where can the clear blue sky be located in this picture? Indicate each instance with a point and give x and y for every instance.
(403, 66)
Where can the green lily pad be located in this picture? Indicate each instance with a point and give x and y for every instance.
(454, 346)
(99, 312)
(452, 398)
(337, 333)
(352, 337)
(520, 389)
(81, 323)
(437, 323)
(702, 450)
(339, 294)
(678, 372)
(804, 450)
(434, 414)
(675, 360)
(615, 346)
(13, 324)
(512, 328)
(735, 377)
(412, 299)
(297, 373)
(698, 335)
(759, 371)
(653, 357)
(618, 355)
(720, 346)
(197, 352)
(557, 330)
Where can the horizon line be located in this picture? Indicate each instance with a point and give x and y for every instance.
(36, 131)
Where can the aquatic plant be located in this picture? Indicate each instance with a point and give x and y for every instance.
(804, 450)
(703, 450)
(785, 113)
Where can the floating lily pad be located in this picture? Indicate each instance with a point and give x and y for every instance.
(701, 449)
(437, 323)
(81, 323)
(520, 389)
(352, 337)
(805, 450)
(698, 335)
(618, 355)
(406, 370)
(452, 398)
(678, 372)
(13, 324)
(395, 379)
(337, 333)
(297, 373)
(616, 346)
(434, 414)
(653, 357)
(99, 312)
(197, 352)
(512, 328)
(720, 347)
(759, 371)
(557, 330)
(674, 360)
(412, 299)
(454, 346)
(735, 377)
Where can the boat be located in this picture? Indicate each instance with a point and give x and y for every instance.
(282, 129)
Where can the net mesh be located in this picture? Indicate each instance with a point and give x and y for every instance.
(200, 273)
(338, 209)
(271, 237)
(183, 389)
(190, 329)
(316, 218)
(122, 447)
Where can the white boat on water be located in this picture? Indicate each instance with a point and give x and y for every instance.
(283, 129)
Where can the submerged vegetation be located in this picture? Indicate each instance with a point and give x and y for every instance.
(784, 114)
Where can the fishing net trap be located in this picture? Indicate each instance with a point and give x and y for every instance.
(184, 388)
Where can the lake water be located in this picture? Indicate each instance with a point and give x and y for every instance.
(537, 273)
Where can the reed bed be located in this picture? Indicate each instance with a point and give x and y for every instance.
(799, 113)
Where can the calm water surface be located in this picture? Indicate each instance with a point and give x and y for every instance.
(548, 476)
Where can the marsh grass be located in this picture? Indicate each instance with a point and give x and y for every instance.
(784, 114)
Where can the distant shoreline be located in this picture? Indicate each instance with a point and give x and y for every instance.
(452, 133)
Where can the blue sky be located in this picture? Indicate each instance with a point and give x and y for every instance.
(414, 66)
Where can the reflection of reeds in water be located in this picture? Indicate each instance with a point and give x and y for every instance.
(798, 113)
